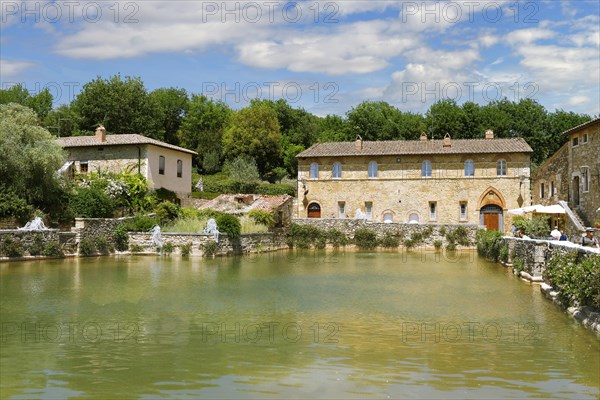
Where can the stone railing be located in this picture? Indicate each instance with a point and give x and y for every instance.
(349, 226)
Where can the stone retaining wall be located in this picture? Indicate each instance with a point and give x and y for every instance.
(248, 243)
(350, 226)
(535, 253)
(96, 227)
(26, 238)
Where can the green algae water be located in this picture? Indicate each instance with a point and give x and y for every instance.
(286, 325)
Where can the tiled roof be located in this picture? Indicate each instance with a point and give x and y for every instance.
(404, 147)
(229, 204)
(582, 126)
(116, 140)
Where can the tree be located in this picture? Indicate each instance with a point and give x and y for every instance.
(242, 169)
(333, 128)
(202, 130)
(63, 121)
(29, 159)
(446, 116)
(122, 106)
(254, 132)
(374, 121)
(41, 103)
(170, 106)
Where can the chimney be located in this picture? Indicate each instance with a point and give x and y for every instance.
(101, 134)
(447, 140)
(423, 137)
(489, 134)
(358, 143)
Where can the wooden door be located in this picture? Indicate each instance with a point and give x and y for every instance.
(314, 210)
(491, 221)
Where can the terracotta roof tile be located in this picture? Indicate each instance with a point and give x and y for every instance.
(405, 147)
(229, 204)
(116, 140)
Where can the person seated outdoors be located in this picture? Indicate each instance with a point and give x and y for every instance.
(589, 240)
(556, 234)
(522, 234)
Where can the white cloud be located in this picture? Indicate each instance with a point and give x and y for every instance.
(530, 35)
(12, 69)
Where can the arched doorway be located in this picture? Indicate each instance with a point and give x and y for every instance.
(576, 191)
(491, 216)
(314, 210)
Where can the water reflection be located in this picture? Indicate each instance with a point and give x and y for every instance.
(348, 325)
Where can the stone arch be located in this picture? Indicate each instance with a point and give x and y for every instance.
(386, 214)
(491, 196)
(314, 209)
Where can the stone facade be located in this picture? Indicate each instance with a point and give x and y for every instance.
(349, 226)
(26, 238)
(574, 171)
(400, 193)
(95, 227)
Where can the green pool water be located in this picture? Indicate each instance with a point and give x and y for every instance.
(286, 325)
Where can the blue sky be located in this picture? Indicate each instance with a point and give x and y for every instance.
(325, 56)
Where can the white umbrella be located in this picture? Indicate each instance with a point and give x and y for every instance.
(553, 209)
(522, 210)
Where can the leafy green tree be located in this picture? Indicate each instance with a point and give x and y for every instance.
(254, 132)
(63, 121)
(202, 130)
(374, 121)
(122, 106)
(170, 106)
(41, 103)
(558, 122)
(446, 116)
(242, 169)
(92, 202)
(333, 128)
(29, 159)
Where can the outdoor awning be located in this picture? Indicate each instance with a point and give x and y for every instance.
(65, 167)
(538, 208)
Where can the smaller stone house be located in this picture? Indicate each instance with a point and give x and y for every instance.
(572, 174)
(163, 165)
(240, 204)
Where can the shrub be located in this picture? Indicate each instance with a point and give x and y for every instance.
(52, 249)
(490, 244)
(136, 248)
(336, 238)
(276, 189)
(263, 217)
(365, 239)
(321, 243)
(577, 278)
(12, 205)
(242, 169)
(437, 244)
(427, 232)
(37, 245)
(248, 225)
(409, 243)
(167, 248)
(186, 249)
(451, 246)
(534, 227)
(518, 266)
(443, 231)
(461, 235)
(305, 236)
(140, 223)
(416, 237)
(11, 248)
(208, 213)
(92, 202)
(230, 225)
(103, 245)
(390, 241)
(121, 238)
(503, 255)
(166, 195)
(166, 212)
(87, 247)
(209, 249)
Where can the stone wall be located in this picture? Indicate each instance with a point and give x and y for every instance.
(26, 238)
(9, 223)
(535, 253)
(349, 226)
(95, 227)
(248, 243)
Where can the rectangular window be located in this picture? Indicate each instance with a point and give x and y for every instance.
(341, 209)
(369, 210)
(432, 210)
(179, 168)
(314, 171)
(551, 188)
(501, 168)
(337, 171)
(575, 141)
(161, 165)
(83, 167)
(426, 168)
(542, 192)
(469, 168)
(585, 178)
(463, 210)
(373, 170)
(585, 138)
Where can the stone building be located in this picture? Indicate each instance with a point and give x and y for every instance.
(162, 164)
(572, 174)
(421, 181)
